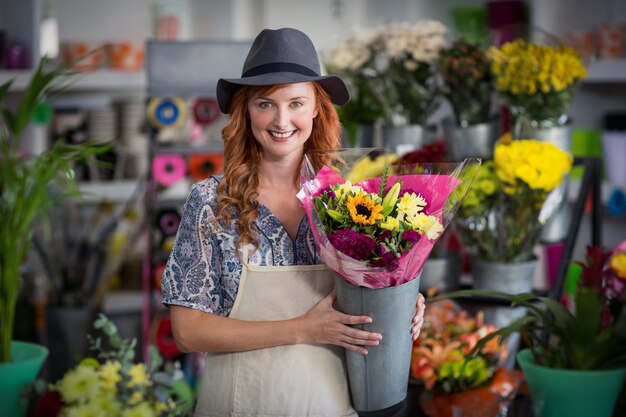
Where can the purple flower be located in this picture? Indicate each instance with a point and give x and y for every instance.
(387, 259)
(384, 235)
(411, 236)
(353, 244)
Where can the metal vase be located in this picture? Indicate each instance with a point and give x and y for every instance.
(407, 138)
(474, 141)
(556, 228)
(512, 278)
(442, 274)
(364, 136)
(379, 380)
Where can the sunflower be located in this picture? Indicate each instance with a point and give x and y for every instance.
(363, 210)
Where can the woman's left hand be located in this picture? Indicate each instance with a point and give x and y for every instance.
(418, 319)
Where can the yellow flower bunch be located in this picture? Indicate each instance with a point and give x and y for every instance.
(529, 68)
(116, 386)
(501, 218)
(539, 165)
(536, 80)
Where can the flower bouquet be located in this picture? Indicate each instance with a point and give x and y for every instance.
(501, 218)
(536, 81)
(375, 235)
(452, 380)
(353, 58)
(467, 81)
(405, 57)
(114, 385)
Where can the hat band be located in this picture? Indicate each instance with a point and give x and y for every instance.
(279, 67)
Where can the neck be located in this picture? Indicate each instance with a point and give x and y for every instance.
(279, 173)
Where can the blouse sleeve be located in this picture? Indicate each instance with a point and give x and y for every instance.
(192, 276)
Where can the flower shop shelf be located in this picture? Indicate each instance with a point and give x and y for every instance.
(119, 191)
(607, 71)
(102, 80)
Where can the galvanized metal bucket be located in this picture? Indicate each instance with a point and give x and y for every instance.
(442, 274)
(379, 380)
(406, 138)
(474, 141)
(512, 278)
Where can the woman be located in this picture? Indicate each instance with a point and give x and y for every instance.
(244, 281)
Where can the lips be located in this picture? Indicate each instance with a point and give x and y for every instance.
(282, 135)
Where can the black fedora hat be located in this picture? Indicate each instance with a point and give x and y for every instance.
(281, 56)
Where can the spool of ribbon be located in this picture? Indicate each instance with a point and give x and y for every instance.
(203, 165)
(168, 221)
(165, 339)
(205, 111)
(166, 112)
(157, 275)
(168, 169)
(616, 204)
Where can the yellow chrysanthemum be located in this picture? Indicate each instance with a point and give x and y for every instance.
(410, 204)
(347, 187)
(367, 168)
(139, 410)
(433, 228)
(108, 404)
(539, 165)
(138, 375)
(618, 264)
(136, 397)
(79, 385)
(84, 410)
(110, 375)
(390, 223)
(363, 209)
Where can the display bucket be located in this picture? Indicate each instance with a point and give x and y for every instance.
(379, 380)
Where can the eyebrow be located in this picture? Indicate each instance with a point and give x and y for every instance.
(291, 99)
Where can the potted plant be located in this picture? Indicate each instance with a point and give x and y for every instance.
(353, 59)
(455, 384)
(575, 364)
(537, 82)
(29, 186)
(468, 85)
(114, 384)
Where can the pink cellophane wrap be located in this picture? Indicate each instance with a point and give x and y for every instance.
(434, 188)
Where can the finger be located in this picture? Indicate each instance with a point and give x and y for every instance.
(362, 334)
(348, 319)
(417, 327)
(360, 342)
(357, 349)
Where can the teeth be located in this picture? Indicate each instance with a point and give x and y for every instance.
(282, 135)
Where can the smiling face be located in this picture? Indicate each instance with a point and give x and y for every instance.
(282, 120)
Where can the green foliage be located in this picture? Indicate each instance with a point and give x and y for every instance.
(30, 185)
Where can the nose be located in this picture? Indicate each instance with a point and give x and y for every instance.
(281, 118)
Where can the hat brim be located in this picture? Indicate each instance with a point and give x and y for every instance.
(332, 84)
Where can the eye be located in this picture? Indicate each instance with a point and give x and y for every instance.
(297, 104)
(265, 104)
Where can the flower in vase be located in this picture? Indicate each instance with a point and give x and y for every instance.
(537, 81)
(440, 358)
(500, 219)
(391, 72)
(115, 386)
(353, 59)
(467, 81)
(406, 57)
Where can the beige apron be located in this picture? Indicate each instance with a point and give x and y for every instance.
(292, 380)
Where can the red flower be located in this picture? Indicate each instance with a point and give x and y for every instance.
(50, 405)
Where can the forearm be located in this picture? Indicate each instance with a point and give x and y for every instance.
(196, 331)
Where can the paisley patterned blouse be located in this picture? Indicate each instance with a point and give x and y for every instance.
(203, 269)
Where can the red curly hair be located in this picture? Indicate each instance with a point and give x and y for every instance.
(237, 193)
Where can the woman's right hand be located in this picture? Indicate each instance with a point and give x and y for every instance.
(324, 324)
